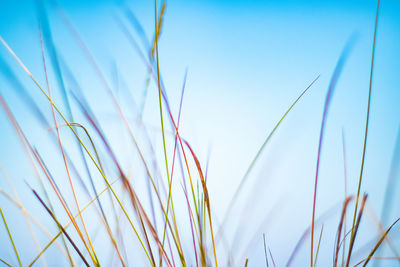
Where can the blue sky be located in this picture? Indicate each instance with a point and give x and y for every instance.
(247, 61)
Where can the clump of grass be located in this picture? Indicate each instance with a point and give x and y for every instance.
(159, 246)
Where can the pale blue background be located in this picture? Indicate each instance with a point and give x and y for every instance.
(247, 61)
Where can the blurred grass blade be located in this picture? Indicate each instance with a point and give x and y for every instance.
(392, 182)
(265, 251)
(272, 258)
(3, 261)
(331, 89)
(306, 232)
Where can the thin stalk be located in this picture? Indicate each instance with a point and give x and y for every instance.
(367, 121)
(11, 238)
(255, 159)
(80, 141)
(92, 253)
(163, 135)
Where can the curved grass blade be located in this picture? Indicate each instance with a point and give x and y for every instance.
(90, 116)
(206, 198)
(158, 79)
(107, 86)
(244, 179)
(80, 141)
(328, 98)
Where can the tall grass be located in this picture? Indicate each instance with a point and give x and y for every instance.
(95, 202)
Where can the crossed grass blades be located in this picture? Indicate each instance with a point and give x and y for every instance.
(75, 239)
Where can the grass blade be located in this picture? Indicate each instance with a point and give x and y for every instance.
(379, 243)
(392, 182)
(206, 198)
(59, 225)
(6, 263)
(353, 238)
(340, 227)
(272, 258)
(319, 242)
(243, 180)
(367, 119)
(91, 251)
(265, 251)
(69, 223)
(328, 98)
(11, 238)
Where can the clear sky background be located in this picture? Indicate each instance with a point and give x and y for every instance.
(247, 61)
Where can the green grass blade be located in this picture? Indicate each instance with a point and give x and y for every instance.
(156, 36)
(11, 238)
(59, 225)
(244, 179)
(6, 263)
(80, 141)
(379, 243)
(367, 119)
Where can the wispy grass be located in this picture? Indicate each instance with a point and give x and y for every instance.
(367, 119)
(328, 99)
(154, 224)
